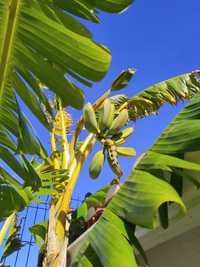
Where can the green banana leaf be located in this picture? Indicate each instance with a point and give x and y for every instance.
(24, 185)
(107, 241)
(88, 9)
(14, 197)
(133, 204)
(39, 232)
(171, 91)
(174, 157)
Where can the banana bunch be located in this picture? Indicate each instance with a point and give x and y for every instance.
(97, 164)
(113, 151)
(108, 122)
(108, 128)
(90, 119)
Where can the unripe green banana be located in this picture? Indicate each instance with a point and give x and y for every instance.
(113, 161)
(126, 151)
(107, 115)
(127, 132)
(119, 122)
(120, 141)
(90, 119)
(97, 164)
(121, 137)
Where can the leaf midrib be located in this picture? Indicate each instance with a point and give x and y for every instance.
(13, 10)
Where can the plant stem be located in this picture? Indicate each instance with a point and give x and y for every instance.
(53, 148)
(64, 141)
(75, 168)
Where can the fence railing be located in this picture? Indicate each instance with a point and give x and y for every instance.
(27, 256)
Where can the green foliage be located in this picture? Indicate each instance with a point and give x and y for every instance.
(108, 239)
(143, 203)
(170, 91)
(39, 232)
(13, 196)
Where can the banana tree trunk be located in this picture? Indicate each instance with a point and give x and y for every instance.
(57, 239)
(59, 217)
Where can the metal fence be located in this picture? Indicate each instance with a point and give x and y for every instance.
(27, 256)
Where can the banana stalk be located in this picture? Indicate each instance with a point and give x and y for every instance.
(74, 171)
(52, 243)
(65, 145)
(56, 230)
(53, 148)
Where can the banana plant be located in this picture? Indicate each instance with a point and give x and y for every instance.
(42, 45)
(101, 232)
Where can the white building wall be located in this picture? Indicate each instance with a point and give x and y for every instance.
(181, 251)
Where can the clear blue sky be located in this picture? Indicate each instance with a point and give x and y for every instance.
(160, 39)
